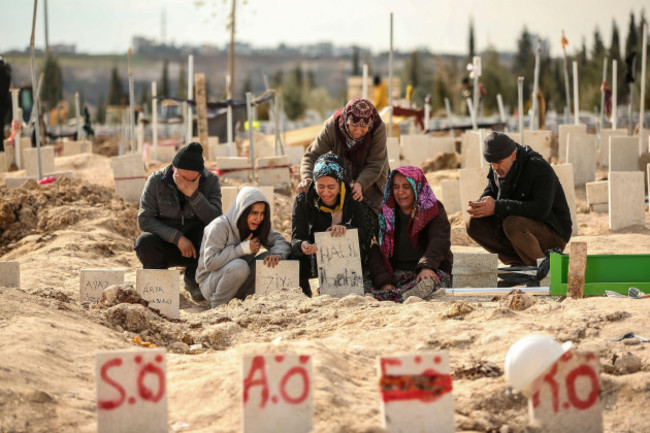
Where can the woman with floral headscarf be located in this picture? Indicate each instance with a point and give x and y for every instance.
(357, 134)
(413, 255)
(327, 206)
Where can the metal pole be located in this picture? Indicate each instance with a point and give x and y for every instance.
(566, 80)
(131, 102)
(47, 31)
(533, 114)
(273, 116)
(37, 117)
(476, 61)
(614, 94)
(78, 117)
(642, 96)
(472, 113)
(364, 86)
(520, 93)
(502, 112)
(602, 101)
(231, 54)
(189, 132)
(448, 108)
(229, 118)
(576, 101)
(251, 145)
(16, 116)
(390, 80)
(154, 118)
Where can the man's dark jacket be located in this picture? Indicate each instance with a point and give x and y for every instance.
(167, 213)
(535, 192)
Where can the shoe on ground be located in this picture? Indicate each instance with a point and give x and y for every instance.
(191, 285)
(425, 289)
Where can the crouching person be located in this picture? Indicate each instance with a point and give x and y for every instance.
(230, 247)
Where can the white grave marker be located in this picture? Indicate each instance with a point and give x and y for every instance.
(30, 161)
(94, 281)
(538, 140)
(472, 183)
(394, 151)
(129, 176)
(624, 154)
(131, 391)
(626, 199)
(451, 195)
(339, 263)
(228, 195)
(10, 274)
(294, 153)
(605, 135)
(280, 176)
(471, 149)
(234, 167)
(564, 173)
(277, 393)
(416, 393)
(69, 148)
(284, 275)
(565, 398)
(581, 153)
(161, 288)
(563, 138)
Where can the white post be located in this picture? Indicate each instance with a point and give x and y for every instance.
(154, 118)
(448, 109)
(472, 113)
(602, 101)
(476, 61)
(520, 92)
(390, 80)
(576, 109)
(427, 113)
(251, 145)
(78, 117)
(231, 147)
(480, 134)
(364, 86)
(131, 102)
(37, 117)
(614, 94)
(16, 116)
(566, 79)
(643, 147)
(502, 112)
(189, 131)
(533, 114)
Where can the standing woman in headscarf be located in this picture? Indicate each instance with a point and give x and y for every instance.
(327, 206)
(413, 256)
(357, 134)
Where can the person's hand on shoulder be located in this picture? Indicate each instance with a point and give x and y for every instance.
(303, 186)
(357, 191)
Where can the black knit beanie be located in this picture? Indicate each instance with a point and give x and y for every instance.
(189, 157)
(498, 146)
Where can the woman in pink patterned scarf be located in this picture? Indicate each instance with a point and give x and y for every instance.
(413, 255)
(357, 134)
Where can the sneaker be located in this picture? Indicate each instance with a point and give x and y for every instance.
(425, 289)
(191, 285)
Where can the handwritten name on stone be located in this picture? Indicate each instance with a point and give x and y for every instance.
(339, 263)
(284, 275)
(94, 281)
(161, 288)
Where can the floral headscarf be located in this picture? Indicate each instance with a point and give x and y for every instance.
(330, 165)
(357, 112)
(425, 209)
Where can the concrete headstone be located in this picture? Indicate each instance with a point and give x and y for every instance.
(416, 393)
(131, 391)
(564, 173)
(394, 151)
(624, 154)
(294, 153)
(279, 177)
(451, 195)
(234, 167)
(10, 274)
(339, 263)
(228, 195)
(94, 281)
(69, 148)
(626, 199)
(472, 183)
(563, 138)
(285, 275)
(538, 140)
(605, 141)
(566, 396)
(597, 196)
(581, 153)
(30, 161)
(129, 176)
(277, 393)
(475, 270)
(471, 154)
(161, 288)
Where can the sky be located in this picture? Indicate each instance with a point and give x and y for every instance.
(107, 26)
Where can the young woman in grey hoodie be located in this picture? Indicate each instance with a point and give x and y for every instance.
(230, 245)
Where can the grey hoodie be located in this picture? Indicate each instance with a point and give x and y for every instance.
(221, 242)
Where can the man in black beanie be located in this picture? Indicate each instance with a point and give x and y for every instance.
(523, 211)
(177, 203)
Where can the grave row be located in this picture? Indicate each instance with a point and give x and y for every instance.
(415, 390)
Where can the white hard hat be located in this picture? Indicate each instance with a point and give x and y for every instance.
(529, 357)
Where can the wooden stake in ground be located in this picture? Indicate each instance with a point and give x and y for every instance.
(577, 267)
(201, 110)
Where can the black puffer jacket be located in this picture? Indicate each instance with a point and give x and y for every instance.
(535, 193)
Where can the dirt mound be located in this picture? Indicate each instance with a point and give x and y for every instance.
(45, 209)
(441, 161)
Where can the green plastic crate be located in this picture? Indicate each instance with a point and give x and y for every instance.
(616, 273)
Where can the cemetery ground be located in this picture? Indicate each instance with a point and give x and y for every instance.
(48, 338)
